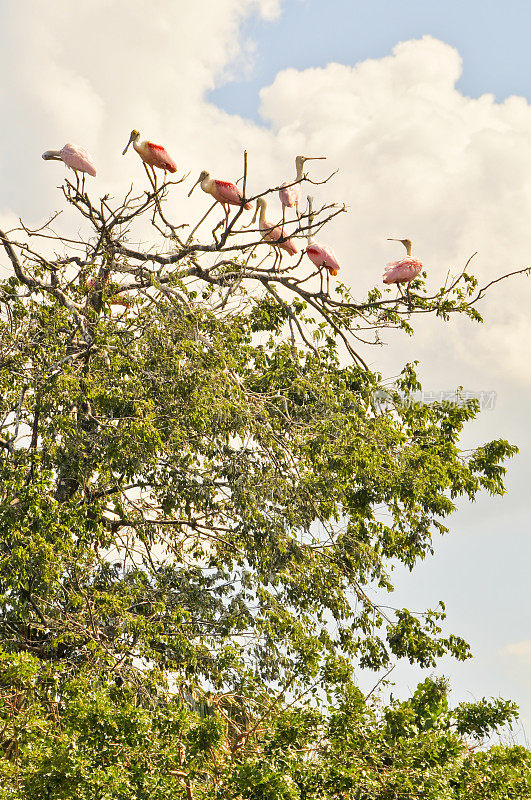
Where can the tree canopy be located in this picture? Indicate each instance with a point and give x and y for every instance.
(202, 497)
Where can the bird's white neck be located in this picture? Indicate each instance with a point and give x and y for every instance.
(139, 146)
(207, 184)
(310, 220)
(261, 216)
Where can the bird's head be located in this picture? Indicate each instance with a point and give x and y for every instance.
(133, 137)
(202, 176)
(405, 242)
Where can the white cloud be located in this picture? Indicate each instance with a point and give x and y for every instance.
(518, 650)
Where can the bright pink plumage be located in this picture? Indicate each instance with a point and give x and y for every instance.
(227, 192)
(323, 256)
(156, 156)
(402, 271)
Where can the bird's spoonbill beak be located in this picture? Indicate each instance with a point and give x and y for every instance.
(195, 184)
(254, 216)
(131, 139)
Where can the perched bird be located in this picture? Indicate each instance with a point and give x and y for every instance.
(290, 191)
(320, 254)
(153, 155)
(74, 157)
(224, 192)
(272, 234)
(121, 299)
(118, 299)
(404, 270)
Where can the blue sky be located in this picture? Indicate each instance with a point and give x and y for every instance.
(492, 37)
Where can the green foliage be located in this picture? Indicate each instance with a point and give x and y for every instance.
(95, 739)
(200, 512)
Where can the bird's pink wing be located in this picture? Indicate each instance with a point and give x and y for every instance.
(289, 246)
(160, 157)
(121, 299)
(289, 195)
(402, 271)
(228, 192)
(77, 158)
(274, 233)
(323, 256)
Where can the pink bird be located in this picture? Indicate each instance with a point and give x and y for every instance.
(74, 157)
(153, 155)
(404, 270)
(272, 234)
(119, 299)
(290, 191)
(320, 254)
(224, 192)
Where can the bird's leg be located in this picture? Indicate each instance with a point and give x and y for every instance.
(153, 186)
(409, 302)
(155, 176)
(327, 282)
(321, 279)
(226, 210)
(83, 184)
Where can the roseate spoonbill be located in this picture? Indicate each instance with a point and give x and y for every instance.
(75, 157)
(223, 192)
(404, 270)
(272, 234)
(290, 191)
(320, 254)
(119, 299)
(153, 155)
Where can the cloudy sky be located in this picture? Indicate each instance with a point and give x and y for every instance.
(423, 107)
